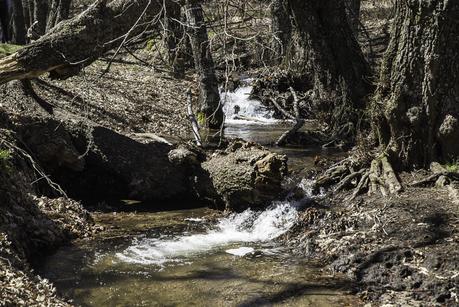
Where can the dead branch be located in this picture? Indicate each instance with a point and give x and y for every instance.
(192, 118)
(298, 124)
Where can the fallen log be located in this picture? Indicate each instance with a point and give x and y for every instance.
(94, 164)
(76, 43)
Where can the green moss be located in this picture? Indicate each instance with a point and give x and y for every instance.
(7, 49)
(211, 34)
(201, 118)
(150, 44)
(5, 157)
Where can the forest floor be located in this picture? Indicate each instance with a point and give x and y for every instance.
(400, 249)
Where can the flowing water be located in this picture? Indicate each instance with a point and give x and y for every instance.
(198, 258)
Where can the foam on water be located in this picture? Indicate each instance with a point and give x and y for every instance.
(248, 226)
(250, 111)
(241, 251)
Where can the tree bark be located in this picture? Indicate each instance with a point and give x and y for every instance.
(329, 57)
(18, 30)
(353, 14)
(175, 37)
(281, 28)
(58, 10)
(40, 15)
(210, 113)
(416, 108)
(4, 21)
(78, 42)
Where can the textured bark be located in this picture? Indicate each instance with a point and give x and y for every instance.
(18, 30)
(4, 21)
(58, 10)
(416, 109)
(25, 14)
(40, 14)
(210, 113)
(175, 39)
(281, 27)
(328, 54)
(78, 42)
(353, 14)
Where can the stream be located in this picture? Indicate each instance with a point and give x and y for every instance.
(200, 257)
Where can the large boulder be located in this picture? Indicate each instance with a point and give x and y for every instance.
(246, 175)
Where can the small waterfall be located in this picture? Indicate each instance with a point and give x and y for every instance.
(246, 227)
(239, 109)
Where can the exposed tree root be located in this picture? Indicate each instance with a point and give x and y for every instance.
(349, 173)
(440, 177)
(378, 176)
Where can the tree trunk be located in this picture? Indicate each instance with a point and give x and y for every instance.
(4, 21)
(329, 56)
(18, 28)
(26, 15)
(40, 15)
(175, 37)
(78, 42)
(416, 109)
(210, 113)
(58, 10)
(281, 28)
(353, 14)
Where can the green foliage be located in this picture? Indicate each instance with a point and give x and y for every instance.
(211, 34)
(453, 166)
(5, 155)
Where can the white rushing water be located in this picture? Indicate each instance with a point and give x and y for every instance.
(239, 109)
(248, 226)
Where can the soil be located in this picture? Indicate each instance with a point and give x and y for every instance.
(401, 249)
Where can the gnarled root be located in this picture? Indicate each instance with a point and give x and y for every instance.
(383, 177)
(380, 176)
(441, 177)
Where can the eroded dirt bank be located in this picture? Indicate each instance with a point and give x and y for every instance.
(30, 228)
